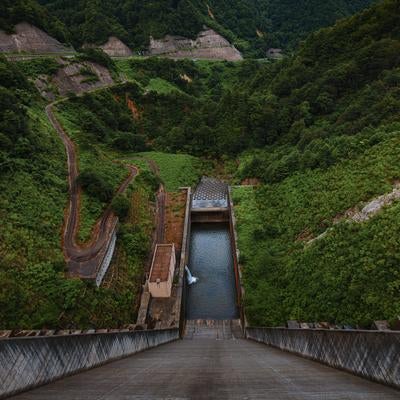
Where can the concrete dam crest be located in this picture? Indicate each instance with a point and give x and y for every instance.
(215, 359)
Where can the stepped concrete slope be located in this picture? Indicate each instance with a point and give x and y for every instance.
(114, 47)
(212, 369)
(213, 329)
(69, 78)
(28, 38)
(208, 45)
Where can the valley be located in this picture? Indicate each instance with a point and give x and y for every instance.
(317, 132)
(202, 195)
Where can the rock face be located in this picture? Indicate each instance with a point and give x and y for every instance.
(70, 78)
(208, 45)
(73, 77)
(367, 212)
(116, 48)
(28, 38)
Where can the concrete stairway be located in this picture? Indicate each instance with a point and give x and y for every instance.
(213, 329)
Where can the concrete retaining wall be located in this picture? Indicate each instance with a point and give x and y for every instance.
(236, 258)
(29, 362)
(370, 354)
(181, 293)
(105, 264)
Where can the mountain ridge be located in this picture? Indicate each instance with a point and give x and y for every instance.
(252, 26)
(318, 133)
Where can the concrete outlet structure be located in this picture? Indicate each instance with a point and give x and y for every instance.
(162, 270)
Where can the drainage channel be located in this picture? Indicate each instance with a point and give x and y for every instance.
(213, 297)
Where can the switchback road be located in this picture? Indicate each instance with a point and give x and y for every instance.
(84, 260)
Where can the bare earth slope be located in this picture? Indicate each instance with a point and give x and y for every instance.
(208, 45)
(116, 48)
(27, 38)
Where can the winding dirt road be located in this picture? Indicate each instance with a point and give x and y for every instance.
(85, 260)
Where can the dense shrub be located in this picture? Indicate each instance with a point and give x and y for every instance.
(97, 56)
(121, 206)
(15, 11)
(95, 185)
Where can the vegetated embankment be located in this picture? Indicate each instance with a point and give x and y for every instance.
(84, 260)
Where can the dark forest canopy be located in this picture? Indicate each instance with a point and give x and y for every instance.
(252, 25)
(15, 11)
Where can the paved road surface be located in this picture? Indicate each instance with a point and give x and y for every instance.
(213, 369)
(84, 261)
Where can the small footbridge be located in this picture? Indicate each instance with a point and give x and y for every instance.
(213, 353)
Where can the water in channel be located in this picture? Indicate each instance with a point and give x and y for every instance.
(214, 295)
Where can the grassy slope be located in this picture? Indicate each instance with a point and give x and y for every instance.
(35, 293)
(32, 198)
(94, 157)
(176, 170)
(33, 194)
(349, 276)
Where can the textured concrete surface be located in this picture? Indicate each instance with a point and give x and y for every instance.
(213, 329)
(210, 193)
(212, 369)
(69, 78)
(114, 47)
(29, 362)
(370, 354)
(31, 39)
(208, 45)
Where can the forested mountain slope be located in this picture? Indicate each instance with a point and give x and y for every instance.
(308, 111)
(341, 83)
(332, 146)
(277, 23)
(319, 130)
(14, 11)
(251, 25)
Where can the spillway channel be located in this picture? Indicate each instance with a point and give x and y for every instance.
(214, 295)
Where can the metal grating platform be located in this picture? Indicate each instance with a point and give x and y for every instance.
(210, 193)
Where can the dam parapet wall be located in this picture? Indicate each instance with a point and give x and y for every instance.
(373, 355)
(29, 362)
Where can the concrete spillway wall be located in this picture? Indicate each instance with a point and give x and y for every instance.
(236, 258)
(27, 362)
(213, 297)
(372, 355)
(212, 206)
(105, 264)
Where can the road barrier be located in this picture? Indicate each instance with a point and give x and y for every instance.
(29, 362)
(372, 355)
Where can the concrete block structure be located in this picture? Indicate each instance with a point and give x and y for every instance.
(162, 270)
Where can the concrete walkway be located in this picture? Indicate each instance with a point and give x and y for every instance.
(212, 369)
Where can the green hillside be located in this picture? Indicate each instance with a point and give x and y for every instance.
(318, 130)
(332, 135)
(14, 11)
(252, 25)
(277, 23)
